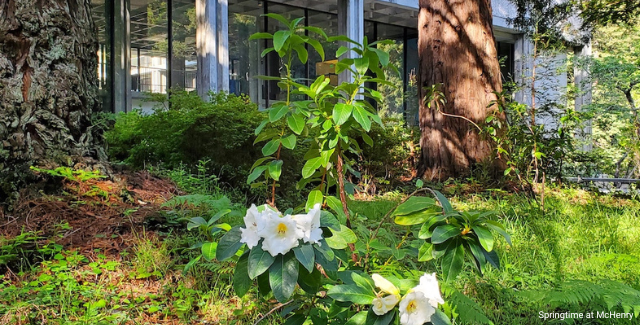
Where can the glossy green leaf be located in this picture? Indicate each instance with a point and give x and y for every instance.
(352, 293)
(256, 173)
(277, 112)
(283, 276)
(310, 282)
(296, 123)
(485, 237)
(446, 205)
(341, 239)
(310, 167)
(256, 36)
(209, 250)
(328, 220)
(297, 319)
(241, 281)
(271, 147)
(362, 117)
(306, 256)
(229, 244)
(315, 197)
(259, 261)
(414, 204)
(289, 141)
(443, 233)
(260, 127)
(275, 169)
(279, 38)
(416, 217)
(341, 113)
(440, 318)
(453, 260)
(425, 253)
(358, 319)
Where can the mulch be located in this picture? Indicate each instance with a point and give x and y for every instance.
(95, 214)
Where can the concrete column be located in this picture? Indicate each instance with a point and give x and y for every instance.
(212, 44)
(351, 24)
(223, 45)
(583, 84)
(121, 80)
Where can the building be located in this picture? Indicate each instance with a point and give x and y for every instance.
(154, 45)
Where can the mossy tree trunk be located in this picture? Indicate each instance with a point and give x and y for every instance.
(48, 86)
(457, 52)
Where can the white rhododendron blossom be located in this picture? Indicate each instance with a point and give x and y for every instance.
(308, 225)
(280, 234)
(415, 309)
(429, 288)
(383, 305)
(385, 285)
(254, 221)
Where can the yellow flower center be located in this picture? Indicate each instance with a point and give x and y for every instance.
(282, 229)
(412, 306)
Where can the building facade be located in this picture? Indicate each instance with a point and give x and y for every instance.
(151, 46)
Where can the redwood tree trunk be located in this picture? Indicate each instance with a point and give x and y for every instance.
(48, 86)
(457, 50)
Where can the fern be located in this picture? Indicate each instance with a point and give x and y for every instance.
(577, 292)
(199, 200)
(464, 309)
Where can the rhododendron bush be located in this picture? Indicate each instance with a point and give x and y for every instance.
(312, 261)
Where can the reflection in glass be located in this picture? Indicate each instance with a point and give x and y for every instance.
(392, 95)
(100, 12)
(149, 41)
(329, 24)
(183, 59)
(411, 95)
(244, 55)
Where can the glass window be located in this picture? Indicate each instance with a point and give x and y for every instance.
(101, 13)
(245, 63)
(149, 41)
(329, 24)
(411, 95)
(184, 62)
(392, 95)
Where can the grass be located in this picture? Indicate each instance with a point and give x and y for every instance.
(581, 236)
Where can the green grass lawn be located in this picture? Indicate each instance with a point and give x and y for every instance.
(581, 236)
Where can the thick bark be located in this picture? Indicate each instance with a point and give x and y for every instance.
(456, 49)
(48, 85)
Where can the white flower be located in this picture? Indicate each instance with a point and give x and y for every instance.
(383, 305)
(429, 288)
(385, 285)
(254, 221)
(280, 234)
(415, 309)
(308, 225)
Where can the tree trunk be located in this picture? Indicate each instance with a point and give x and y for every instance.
(457, 50)
(48, 86)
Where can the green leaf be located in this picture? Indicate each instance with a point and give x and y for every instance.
(310, 167)
(357, 319)
(256, 36)
(336, 205)
(256, 173)
(326, 156)
(352, 293)
(297, 319)
(296, 123)
(303, 54)
(425, 253)
(279, 38)
(259, 261)
(196, 222)
(367, 139)
(446, 205)
(317, 46)
(271, 147)
(414, 204)
(341, 50)
(310, 282)
(283, 276)
(443, 233)
(275, 169)
(209, 250)
(362, 117)
(241, 281)
(452, 260)
(382, 56)
(277, 112)
(191, 264)
(499, 228)
(306, 256)
(261, 126)
(341, 239)
(328, 220)
(485, 237)
(229, 244)
(373, 319)
(440, 318)
(315, 197)
(492, 258)
(362, 65)
(341, 113)
(289, 141)
(416, 217)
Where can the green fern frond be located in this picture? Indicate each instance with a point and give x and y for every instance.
(469, 311)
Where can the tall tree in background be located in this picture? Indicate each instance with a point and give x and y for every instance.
(457, 50)
(48, 86)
